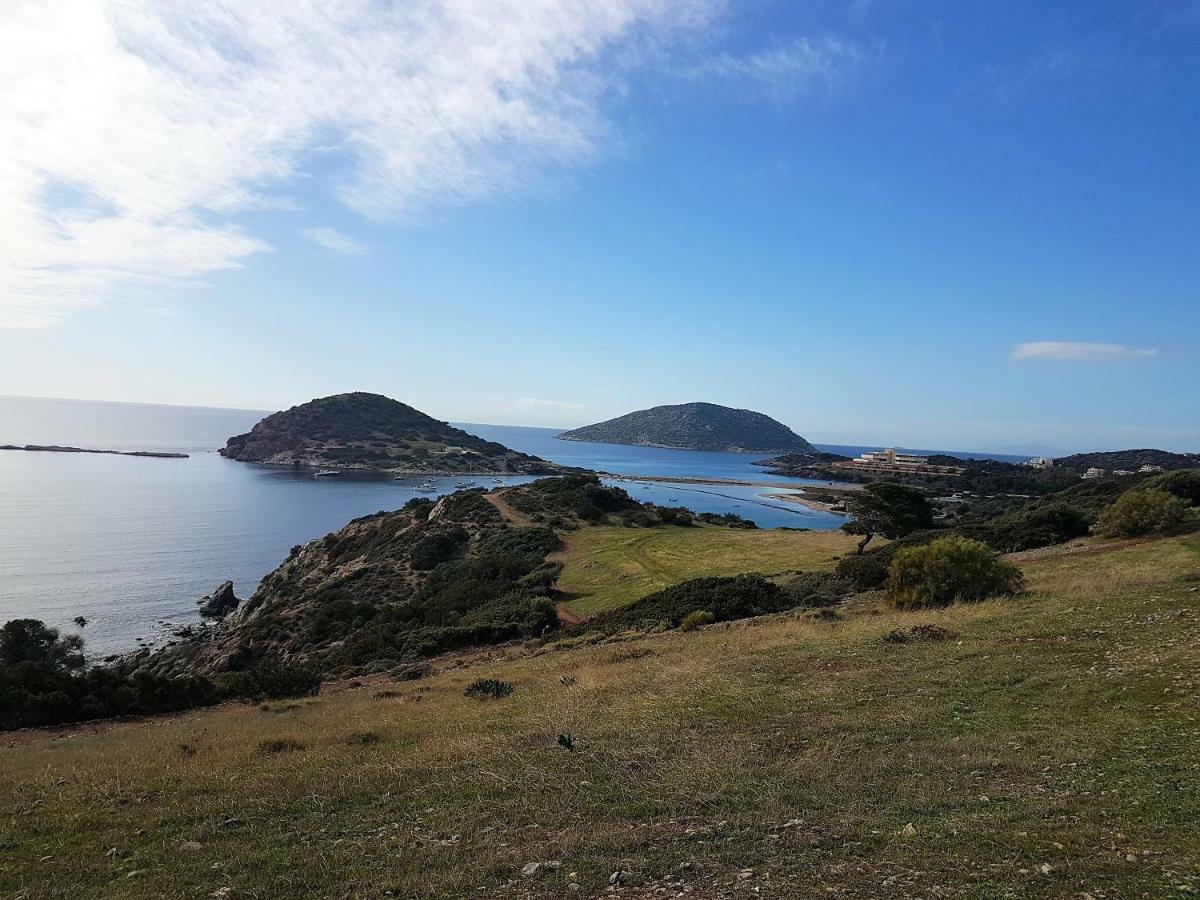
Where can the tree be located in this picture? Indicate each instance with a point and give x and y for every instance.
(1142, 512)
(29, 640)
(892, 510)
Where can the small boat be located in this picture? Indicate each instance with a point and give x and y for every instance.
(465, 484)
(326, 473)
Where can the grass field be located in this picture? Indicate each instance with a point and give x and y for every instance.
(1048, 749)
(612, 566)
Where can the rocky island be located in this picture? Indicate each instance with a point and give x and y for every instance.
(695, 426)
(369, 431)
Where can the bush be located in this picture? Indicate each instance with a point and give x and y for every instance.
(488, 689)
(948, 570)
(1183, 483)
(1025, 530)
(279, 745)
(816, 589)
(1139, 512)
(866, 572)
(675, 515)
(695, 619)
(273, 679)
(41, 683)
(437, 547)
(726, 598)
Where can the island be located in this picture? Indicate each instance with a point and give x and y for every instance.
(695, 426)
(54, 448)
(369, 431)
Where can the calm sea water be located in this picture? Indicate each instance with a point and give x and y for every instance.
(131, 543)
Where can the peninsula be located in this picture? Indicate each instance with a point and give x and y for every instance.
(695, 426)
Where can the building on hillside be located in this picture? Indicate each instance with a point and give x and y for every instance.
(1093, 472)
(1149, 468)
(1122, 471)
(1041, 462)
(889, 462)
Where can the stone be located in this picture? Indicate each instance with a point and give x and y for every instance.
(909, 830)
(220, 602)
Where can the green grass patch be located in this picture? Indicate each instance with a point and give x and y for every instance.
(609, 567)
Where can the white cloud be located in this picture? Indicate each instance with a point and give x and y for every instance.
(557, 405)
(334, 240)
(784, 70)
(1077, 350)
(135, 131)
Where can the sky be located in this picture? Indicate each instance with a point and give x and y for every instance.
(933, 224)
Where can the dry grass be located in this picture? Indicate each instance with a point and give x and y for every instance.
(613, 566)
(1034, 755)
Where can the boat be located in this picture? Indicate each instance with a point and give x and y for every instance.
(465, 484)
(326, 473)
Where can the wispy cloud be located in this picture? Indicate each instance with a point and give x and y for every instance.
(557, 405)
(1078, 350)
(135, 132)
(785, 70)
(334, 240)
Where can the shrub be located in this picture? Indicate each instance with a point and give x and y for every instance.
(866, 572)
(1025, 530)
(484, 688)
(488, 689)
(675, 515)
(413, 672)
(949, 569)
(695, 619)
(437, 547)
(274, 679)
(726, 598)
(41, 683)
(1183, 483)
(279, 745)
(1139, 512)
(817, 589)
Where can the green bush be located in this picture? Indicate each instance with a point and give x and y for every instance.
(815, 589)
(726, 598)
(1140, 512)
(695, 619)
(866, 572)
(273, 679)
(948, 570)
(1183, 483)
(488, 689)
(1042, 526)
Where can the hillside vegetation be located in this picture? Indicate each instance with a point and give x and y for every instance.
(369, 431)
(695, 426)
(1040, 746)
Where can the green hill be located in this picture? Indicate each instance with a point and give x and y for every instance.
(694, 426)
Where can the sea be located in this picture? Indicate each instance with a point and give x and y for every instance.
(131, 543)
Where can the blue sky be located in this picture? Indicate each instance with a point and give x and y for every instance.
(935, 224)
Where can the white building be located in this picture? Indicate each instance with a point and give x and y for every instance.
(1093, 472)
(1041, 462)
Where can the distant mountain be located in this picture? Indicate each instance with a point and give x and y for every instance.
(695, 426)
(370, 431)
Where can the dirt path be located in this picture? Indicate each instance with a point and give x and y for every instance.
(566, 616)
(509, 514)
